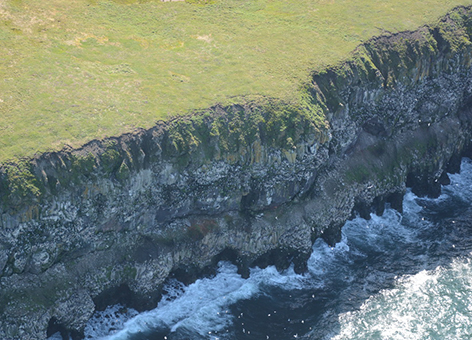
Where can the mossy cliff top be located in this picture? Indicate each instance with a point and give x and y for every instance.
(76, 71)
(226, 132)
(234, 132)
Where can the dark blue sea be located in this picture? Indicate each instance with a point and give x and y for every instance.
(396, 276)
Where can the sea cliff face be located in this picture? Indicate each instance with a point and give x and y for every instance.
(255, 183)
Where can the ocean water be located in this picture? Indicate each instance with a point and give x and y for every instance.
(396, 276)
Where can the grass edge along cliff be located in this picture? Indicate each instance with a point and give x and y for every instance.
(91, 69)
(226, 133)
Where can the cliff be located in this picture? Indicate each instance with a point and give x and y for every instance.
(254, 183)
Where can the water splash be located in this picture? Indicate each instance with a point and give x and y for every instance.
(386, 279)
(433, 304)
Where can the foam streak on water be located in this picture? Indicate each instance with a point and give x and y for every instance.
(201, 309)
(398, 276)
(433, 304)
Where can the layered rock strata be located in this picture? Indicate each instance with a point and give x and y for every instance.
(255, 183)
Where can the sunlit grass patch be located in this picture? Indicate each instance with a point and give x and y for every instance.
(71, 71)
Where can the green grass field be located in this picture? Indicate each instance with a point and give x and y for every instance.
(71, 71)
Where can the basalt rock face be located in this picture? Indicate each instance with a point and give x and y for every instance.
(255, 183)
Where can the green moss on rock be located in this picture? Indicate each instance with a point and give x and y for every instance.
(20, 185)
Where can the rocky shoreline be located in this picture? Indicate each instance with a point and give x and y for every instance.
(254, 184)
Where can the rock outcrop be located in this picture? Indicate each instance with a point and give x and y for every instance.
(254, 183)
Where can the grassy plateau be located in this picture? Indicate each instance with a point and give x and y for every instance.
(72, 71)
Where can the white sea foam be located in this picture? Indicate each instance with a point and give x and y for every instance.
(433, 304)
(461, 184)
(108, 321)
(201, 307)
(361, 237)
